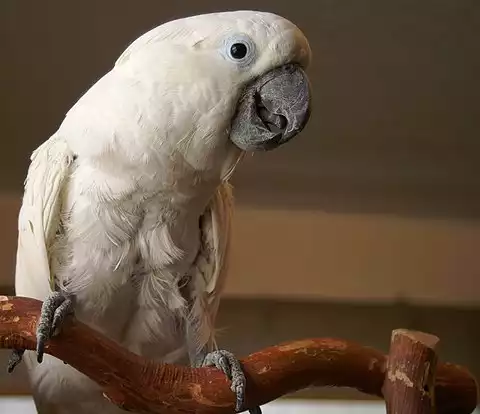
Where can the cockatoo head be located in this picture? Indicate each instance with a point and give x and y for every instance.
(230, 78)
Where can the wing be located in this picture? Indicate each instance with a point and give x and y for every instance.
(211, 267)
(216, 232)
(39, 217)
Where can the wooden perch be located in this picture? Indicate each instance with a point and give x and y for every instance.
(144, 386)
(411, 368)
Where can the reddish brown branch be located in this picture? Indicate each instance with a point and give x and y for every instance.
(410, 381)
(135, 383)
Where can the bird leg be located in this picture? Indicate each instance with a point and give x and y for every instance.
(54, 310)
(231, 367)
(15, 359)
(223, 360)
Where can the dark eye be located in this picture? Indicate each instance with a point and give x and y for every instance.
(238, 51)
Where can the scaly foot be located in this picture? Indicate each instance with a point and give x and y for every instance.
(15, 359)
(230, 366)
(54, 310)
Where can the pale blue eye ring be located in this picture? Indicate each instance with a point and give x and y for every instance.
(240, 49)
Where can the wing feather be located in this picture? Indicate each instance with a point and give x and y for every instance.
(211, 268)
(217, 232)
(39, 217)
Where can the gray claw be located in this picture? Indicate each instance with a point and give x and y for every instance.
(15, 359)
(230, 366)
(54, 310)
(61, 312)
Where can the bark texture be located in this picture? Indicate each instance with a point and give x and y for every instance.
(135, 383)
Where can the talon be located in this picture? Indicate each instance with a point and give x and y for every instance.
(65, 309)
(15, 359)
(230, 366)
(41, 340)
(54, 310)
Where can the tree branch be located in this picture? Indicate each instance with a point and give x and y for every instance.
(135, 383)
(410, 381)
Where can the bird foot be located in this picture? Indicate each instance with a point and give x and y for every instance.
(54, 310)
(15, 359)
(230, 366)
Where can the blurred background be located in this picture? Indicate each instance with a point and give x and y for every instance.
(367, 222)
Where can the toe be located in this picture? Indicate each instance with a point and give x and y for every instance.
(15, 359)
(43, 335)
(239, 391)
(238, 387)
(231, 367)
(40, 349)
(59, 316)
(223, 364)
(54, 309)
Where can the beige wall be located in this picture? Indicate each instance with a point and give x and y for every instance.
(314, 255)
(307, 254)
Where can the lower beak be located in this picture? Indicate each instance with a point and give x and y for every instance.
(272, 110)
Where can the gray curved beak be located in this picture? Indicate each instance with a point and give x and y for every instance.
(272, 110)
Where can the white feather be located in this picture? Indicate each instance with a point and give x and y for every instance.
(127, 204)
(39, 217)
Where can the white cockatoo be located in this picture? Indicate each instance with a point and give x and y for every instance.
(126, 213)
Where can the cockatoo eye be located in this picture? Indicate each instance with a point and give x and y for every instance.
(240, 49)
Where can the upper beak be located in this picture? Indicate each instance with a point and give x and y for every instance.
(272, 110)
